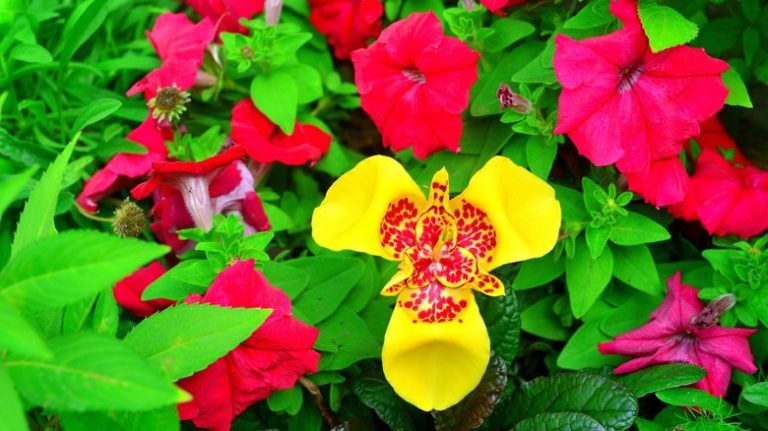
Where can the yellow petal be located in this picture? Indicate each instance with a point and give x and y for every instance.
(398, 281)
(350, 216)
(521, 207)
(435, 365)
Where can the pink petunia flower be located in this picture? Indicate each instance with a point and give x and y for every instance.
(175, 36)
(496, 6)
(128, 291)
(347, 23)
(623, 104)
(683, 330)
(729, 199)
(264, 142)
(123, 169)
(227, 13)
(273, 358)
(414, 83)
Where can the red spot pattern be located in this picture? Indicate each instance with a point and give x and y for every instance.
(434, 303)
(474, 231)
(398, 229)
(487, 284)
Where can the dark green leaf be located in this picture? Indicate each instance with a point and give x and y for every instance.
(188, 337)
(276, 96)
(12, 186)
(594, 14)
(539, 319)
(478, 405)
(346, 339)
(92, 372)
(86, 263)
(81, 25)
(603, 400)
(665, 26)
(374, 391)
(37, 218)
(634, 265)
(559, 421)
(502, 318)
(660, 377)
(12, 414)
(95, 111)
(586, 278)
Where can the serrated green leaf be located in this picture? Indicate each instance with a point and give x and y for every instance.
(86, 263)
(634, 265)
(92, 372)
(12, 414)
(162, 419)
(374, 391)
(502, 318)
(12, 186)
(664, 26)
(188, 337)
(18, 336)
(470, 412)
(37, 217)
(586, 278)
(276, 96)
(96, 111)
(189, 276)
(330, 280)
(661, 377)
(636, 229)
(601, 399)
(737, 90)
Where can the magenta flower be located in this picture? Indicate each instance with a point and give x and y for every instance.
(683, 330)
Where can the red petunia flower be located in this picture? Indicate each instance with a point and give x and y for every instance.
(683, 330)
(266, 143)
(122, 169)
(496, 6)
(227, 13)
(414, 83)
(128, 291)
(729, 199)
(347, 23)
(175, 36)
(664, 183)
(714, 136)
(273, 358)
(623, 104)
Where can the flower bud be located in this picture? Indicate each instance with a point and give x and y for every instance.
(710, 315)
(272, 9)
(510, 99)
(129, 220)
(468, 5)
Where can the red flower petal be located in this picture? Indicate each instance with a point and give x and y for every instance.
(227, 13)
(347, 23)
(496, 6)
(174, 35)
(128, 291)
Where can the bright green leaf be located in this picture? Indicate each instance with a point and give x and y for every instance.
(276, 96)
(635, 229)
(689, 397)
(162, 419)
(81, 25)
(12, 186)
(634, 265)
(665, 26)
(189, 276)
(95, 111)
(737, 91)
(18, 336)
(586, 278)
(30, 53)
(538, 272)
(330, 280)
(346, 339)
(12, 414)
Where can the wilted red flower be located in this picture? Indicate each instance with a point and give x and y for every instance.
(227, 13)
(623, 104)
(230, 192)
(496, 6)
(122, 169)
(729, 199)
(266, 143)
(272, 358)
(128, 291)
(683, 330)
(414, 83)
(347, 23)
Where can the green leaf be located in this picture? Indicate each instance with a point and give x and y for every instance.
(601, 399)
(756, 394)
(502, 318)
(12, 414)
(507, 31)
(597, 238)
(92, 372)
(330, 280)
(162, 419)
(81, 25)
(374, 391)
(189, 276)
(541, 155)
(287, 401)
(660, 377)
(586, 278)
(277, 97)
(31, 53)
(96, 111)
(737, 91)
(664, 26)
(290, 280)
(346, 339)
(593, 14)
(540, 319)
(106, 316)
(689, 397)
(12, 186)
(188, 337)
(471, 412)
(308, 82)
(483, 93)
(538, 272)
(86, 263)
(634, 265)
(581, 350)
(37, 218)
(636, 229)
(559, 421)
(18, 336)
(539, 70)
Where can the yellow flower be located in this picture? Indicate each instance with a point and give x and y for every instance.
(436, 348)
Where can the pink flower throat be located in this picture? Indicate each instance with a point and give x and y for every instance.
(628, 76)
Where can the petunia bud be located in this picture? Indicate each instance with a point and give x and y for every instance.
(204, 80)
(468, 5)
(510, 99)
(710, 315)
(272, 10)
(129, 220)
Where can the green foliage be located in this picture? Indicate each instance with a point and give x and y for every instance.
(665, 26)
(660, 377)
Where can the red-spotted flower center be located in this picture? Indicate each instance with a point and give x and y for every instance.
(443, 251)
